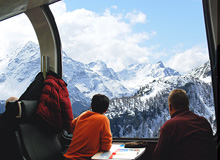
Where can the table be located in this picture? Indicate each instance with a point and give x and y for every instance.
(118, 151)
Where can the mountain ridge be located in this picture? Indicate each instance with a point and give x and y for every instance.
(138, 93)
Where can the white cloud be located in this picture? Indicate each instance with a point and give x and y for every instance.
(15, 32)
(136, 17)
(87, 36)
(114, 7)
(189, 59)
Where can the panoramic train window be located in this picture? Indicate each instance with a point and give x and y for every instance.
(19, 57)
(135, 52)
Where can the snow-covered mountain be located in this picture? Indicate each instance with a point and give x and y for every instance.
(137, 75)
(144, 70)
(85, 80)
(138, 93)
(142, 114)
(18, 69)
(203, 72)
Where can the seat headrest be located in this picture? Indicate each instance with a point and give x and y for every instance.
(25, 109)
(29, 108)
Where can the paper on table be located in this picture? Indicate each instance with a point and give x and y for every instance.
(118, 151)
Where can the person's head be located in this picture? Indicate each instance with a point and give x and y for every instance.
(11, 99)
(177, 100)
(99, 103)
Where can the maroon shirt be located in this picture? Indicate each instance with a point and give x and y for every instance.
(186, 136)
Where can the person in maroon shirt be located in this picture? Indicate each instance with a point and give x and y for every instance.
(186, 136)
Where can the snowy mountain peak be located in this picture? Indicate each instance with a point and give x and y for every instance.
(64, 54)
(97, 65)
(146, 71)
(28, 50)
(19, 68)
(31, 44)
(160, 64)
(203, 72)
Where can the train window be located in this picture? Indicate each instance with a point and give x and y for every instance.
(19, 57)
(135, 52)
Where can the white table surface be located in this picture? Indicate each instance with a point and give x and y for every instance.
(118, 151)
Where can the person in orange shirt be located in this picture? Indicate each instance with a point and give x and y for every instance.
(92, 131)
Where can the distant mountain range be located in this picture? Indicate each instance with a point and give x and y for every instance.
(138, 93)
(142, 114)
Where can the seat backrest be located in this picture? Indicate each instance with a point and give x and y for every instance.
(35, 142)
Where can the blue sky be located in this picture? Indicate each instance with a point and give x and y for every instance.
(123, 32)
(176, 21)
(175, 27)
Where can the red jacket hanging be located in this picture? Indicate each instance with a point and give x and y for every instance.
(54, 104)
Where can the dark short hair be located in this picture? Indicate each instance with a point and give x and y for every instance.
(178, 99)
(100, 103)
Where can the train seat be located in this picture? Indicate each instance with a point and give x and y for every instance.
(34, 141)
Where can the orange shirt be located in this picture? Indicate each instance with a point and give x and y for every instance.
(91, 134)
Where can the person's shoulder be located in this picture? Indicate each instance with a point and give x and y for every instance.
(94, 114)
(199, 117)
(203, 119)
(101, 115)
(102, 118)
(84, 114)
(169, 124)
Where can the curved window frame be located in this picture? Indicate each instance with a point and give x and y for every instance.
(49, 40)
(45, 28)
